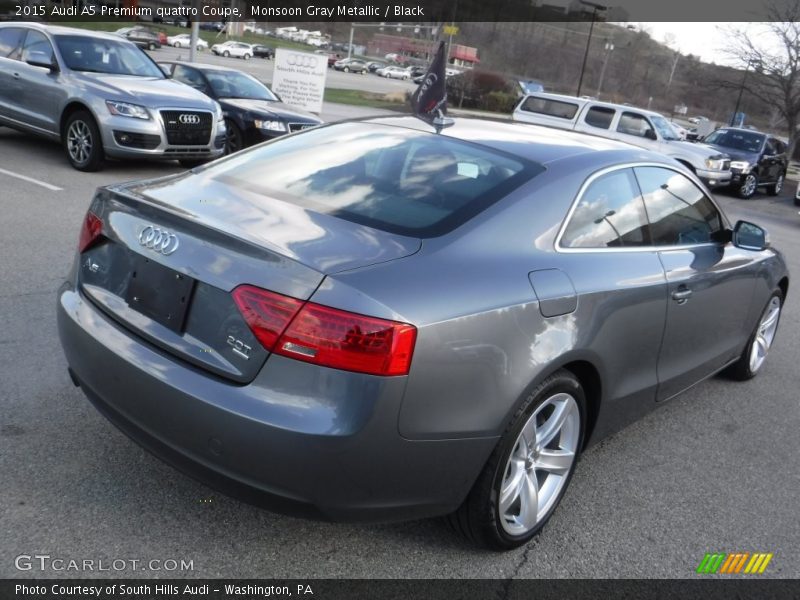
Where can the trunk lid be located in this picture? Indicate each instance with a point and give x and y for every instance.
(176, 292)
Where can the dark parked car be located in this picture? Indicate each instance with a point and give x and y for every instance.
(142, 37)
(757, 159)
(381, 319)
(416, 71)
(261, 51)
(350, 65)
(253, 113)
(375, 65)
(212, 26)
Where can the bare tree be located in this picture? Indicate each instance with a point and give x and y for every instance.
(770, 55)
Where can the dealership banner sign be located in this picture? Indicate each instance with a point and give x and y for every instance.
(299, 78)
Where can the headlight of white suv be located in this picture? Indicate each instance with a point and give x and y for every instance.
(743, 165)
(715, 164)
(124, 109)
(270, 125)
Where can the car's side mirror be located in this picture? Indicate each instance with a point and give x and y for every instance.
(650, 135)
(750, 236)
(40, 58)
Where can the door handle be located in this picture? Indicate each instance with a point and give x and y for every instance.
(16, 75)
(682, 294)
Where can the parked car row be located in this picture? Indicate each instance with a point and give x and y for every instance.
(739, 159)
(103, 97)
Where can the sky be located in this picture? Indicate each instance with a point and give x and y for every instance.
(706, 40)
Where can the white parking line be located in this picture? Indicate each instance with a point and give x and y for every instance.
(52, 188)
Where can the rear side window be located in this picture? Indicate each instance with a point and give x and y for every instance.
(551, 108)
(610, 214)
(600, 117)
(400, 180)
(679, 212)
(10, 41)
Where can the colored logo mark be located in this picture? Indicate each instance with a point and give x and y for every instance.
(740, 562)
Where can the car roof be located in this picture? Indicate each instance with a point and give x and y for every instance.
(532, 142)
(583, 101)
(61, 30)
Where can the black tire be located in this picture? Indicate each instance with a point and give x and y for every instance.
(346, 69)
(775, 188)
(478, 518)
(246, 57)
(177, 44)
(82, 142)
(226, 54)
(151, 46)
(234, 141)
(741, 370)
(748, 187)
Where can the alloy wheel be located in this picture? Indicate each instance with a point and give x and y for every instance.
(749, 185)
(765, 334)
(540, 464)
(79, 142)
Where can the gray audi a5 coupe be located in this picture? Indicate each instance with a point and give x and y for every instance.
(101, 96)
(379, 320)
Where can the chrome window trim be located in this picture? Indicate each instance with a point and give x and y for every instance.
(651, 247)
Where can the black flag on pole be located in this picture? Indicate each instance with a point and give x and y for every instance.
(429, 102)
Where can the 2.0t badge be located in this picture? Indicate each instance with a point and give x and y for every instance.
(160, 240)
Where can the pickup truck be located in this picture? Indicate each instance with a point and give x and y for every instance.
(636, 126)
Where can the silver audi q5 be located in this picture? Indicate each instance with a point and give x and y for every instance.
(101, 96)
(376, 320)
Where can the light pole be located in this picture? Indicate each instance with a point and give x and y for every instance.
(609, 48)
(595, 8)
(741, 91)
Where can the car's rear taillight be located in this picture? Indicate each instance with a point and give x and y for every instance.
(91, 230)
(266, 313)
(327, 336)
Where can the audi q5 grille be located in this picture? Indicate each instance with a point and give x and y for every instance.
(187, 128)
(300, 126)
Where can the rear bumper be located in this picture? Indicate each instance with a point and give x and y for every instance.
(302, 440)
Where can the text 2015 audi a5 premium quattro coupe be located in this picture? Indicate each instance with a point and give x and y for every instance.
(376, 320)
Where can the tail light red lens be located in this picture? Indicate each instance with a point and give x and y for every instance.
(91, 230)
(327, 336)
(266, 313)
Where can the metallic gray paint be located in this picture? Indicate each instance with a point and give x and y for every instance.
(359, 446)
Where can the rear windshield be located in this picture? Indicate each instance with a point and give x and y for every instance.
(395, 179)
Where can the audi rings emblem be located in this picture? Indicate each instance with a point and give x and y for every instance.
(189, 119)
(302, 60)
(159, 240)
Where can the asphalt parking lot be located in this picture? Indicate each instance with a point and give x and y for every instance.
(715, 470)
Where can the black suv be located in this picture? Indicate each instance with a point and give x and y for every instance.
(757, 159)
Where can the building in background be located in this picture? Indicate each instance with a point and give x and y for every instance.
(418, 49)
